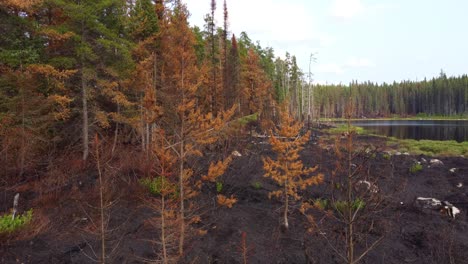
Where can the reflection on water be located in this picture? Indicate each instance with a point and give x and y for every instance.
(418, 129)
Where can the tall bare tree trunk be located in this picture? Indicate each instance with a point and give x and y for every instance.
(142, 120)
(350, 222)
(181, 191)
(116, 132)
(181, 177)
(84, 102)
(23, 131)
(163, 226)
(101, 204)
(286, 204)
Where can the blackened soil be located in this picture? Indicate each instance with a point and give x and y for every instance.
(66, 227)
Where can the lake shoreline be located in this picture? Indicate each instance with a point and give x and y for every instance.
(424, 129)
(395, 119)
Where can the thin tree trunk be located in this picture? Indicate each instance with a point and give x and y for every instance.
(147, 133)
(143, 137)
(163, 227)
(84, 102)
(85, 118)
(23, 132)
(116, 133)
(286, 204)
(15, 206)
(101, 204)
(350, 221)
(181, 191)
(181, 178)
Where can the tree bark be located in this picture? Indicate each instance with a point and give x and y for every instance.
(286, 206)
(163, 227)
(15, 206)
(84, 102)
(101, 205)
(181, 191)
(350, 222)
(116, 132)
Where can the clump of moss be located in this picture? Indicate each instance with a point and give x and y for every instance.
(257, 185)
(342, 206)
(219, 187)
(8, 224)
(159, 184)
(415, 168)
(344, 128)
(432, 147)
(321, 204)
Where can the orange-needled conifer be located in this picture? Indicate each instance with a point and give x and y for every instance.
(287, 170)
(188, 127)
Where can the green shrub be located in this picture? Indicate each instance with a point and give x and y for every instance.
(341, 206)
(416, 167)
(246, 119)
(343, 128)
(155, 185)
(8, 225)
(322, 204)
(386, 156)
(219, 186)
(257, 185)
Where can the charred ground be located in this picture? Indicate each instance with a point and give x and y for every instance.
(63, 229)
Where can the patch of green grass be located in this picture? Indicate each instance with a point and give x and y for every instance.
(256, 185)
(219, 186)
(342, 206)
(415, 168)
(158, 185)
(420, 116)
(431, 147)
(343, 128)
(8, 225)
(321, 204)
(386, 156)
(246, 119)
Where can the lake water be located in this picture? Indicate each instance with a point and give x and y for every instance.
(418, 129)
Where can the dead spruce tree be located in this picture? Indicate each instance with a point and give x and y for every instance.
(99, 226)
(287, 169)
(349, 219)
(188, 127)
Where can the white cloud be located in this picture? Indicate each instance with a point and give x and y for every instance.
(329, 68)
(340, 68)
(347, 8)
(354, 62)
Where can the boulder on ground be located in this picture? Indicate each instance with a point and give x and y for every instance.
(434, 204)
(369, 186)
(428, 203)
(236, 153)
(436, 162)
(450, 210)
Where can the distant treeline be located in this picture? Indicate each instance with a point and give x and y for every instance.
(441, 96)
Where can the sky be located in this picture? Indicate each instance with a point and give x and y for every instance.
(363, 40)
